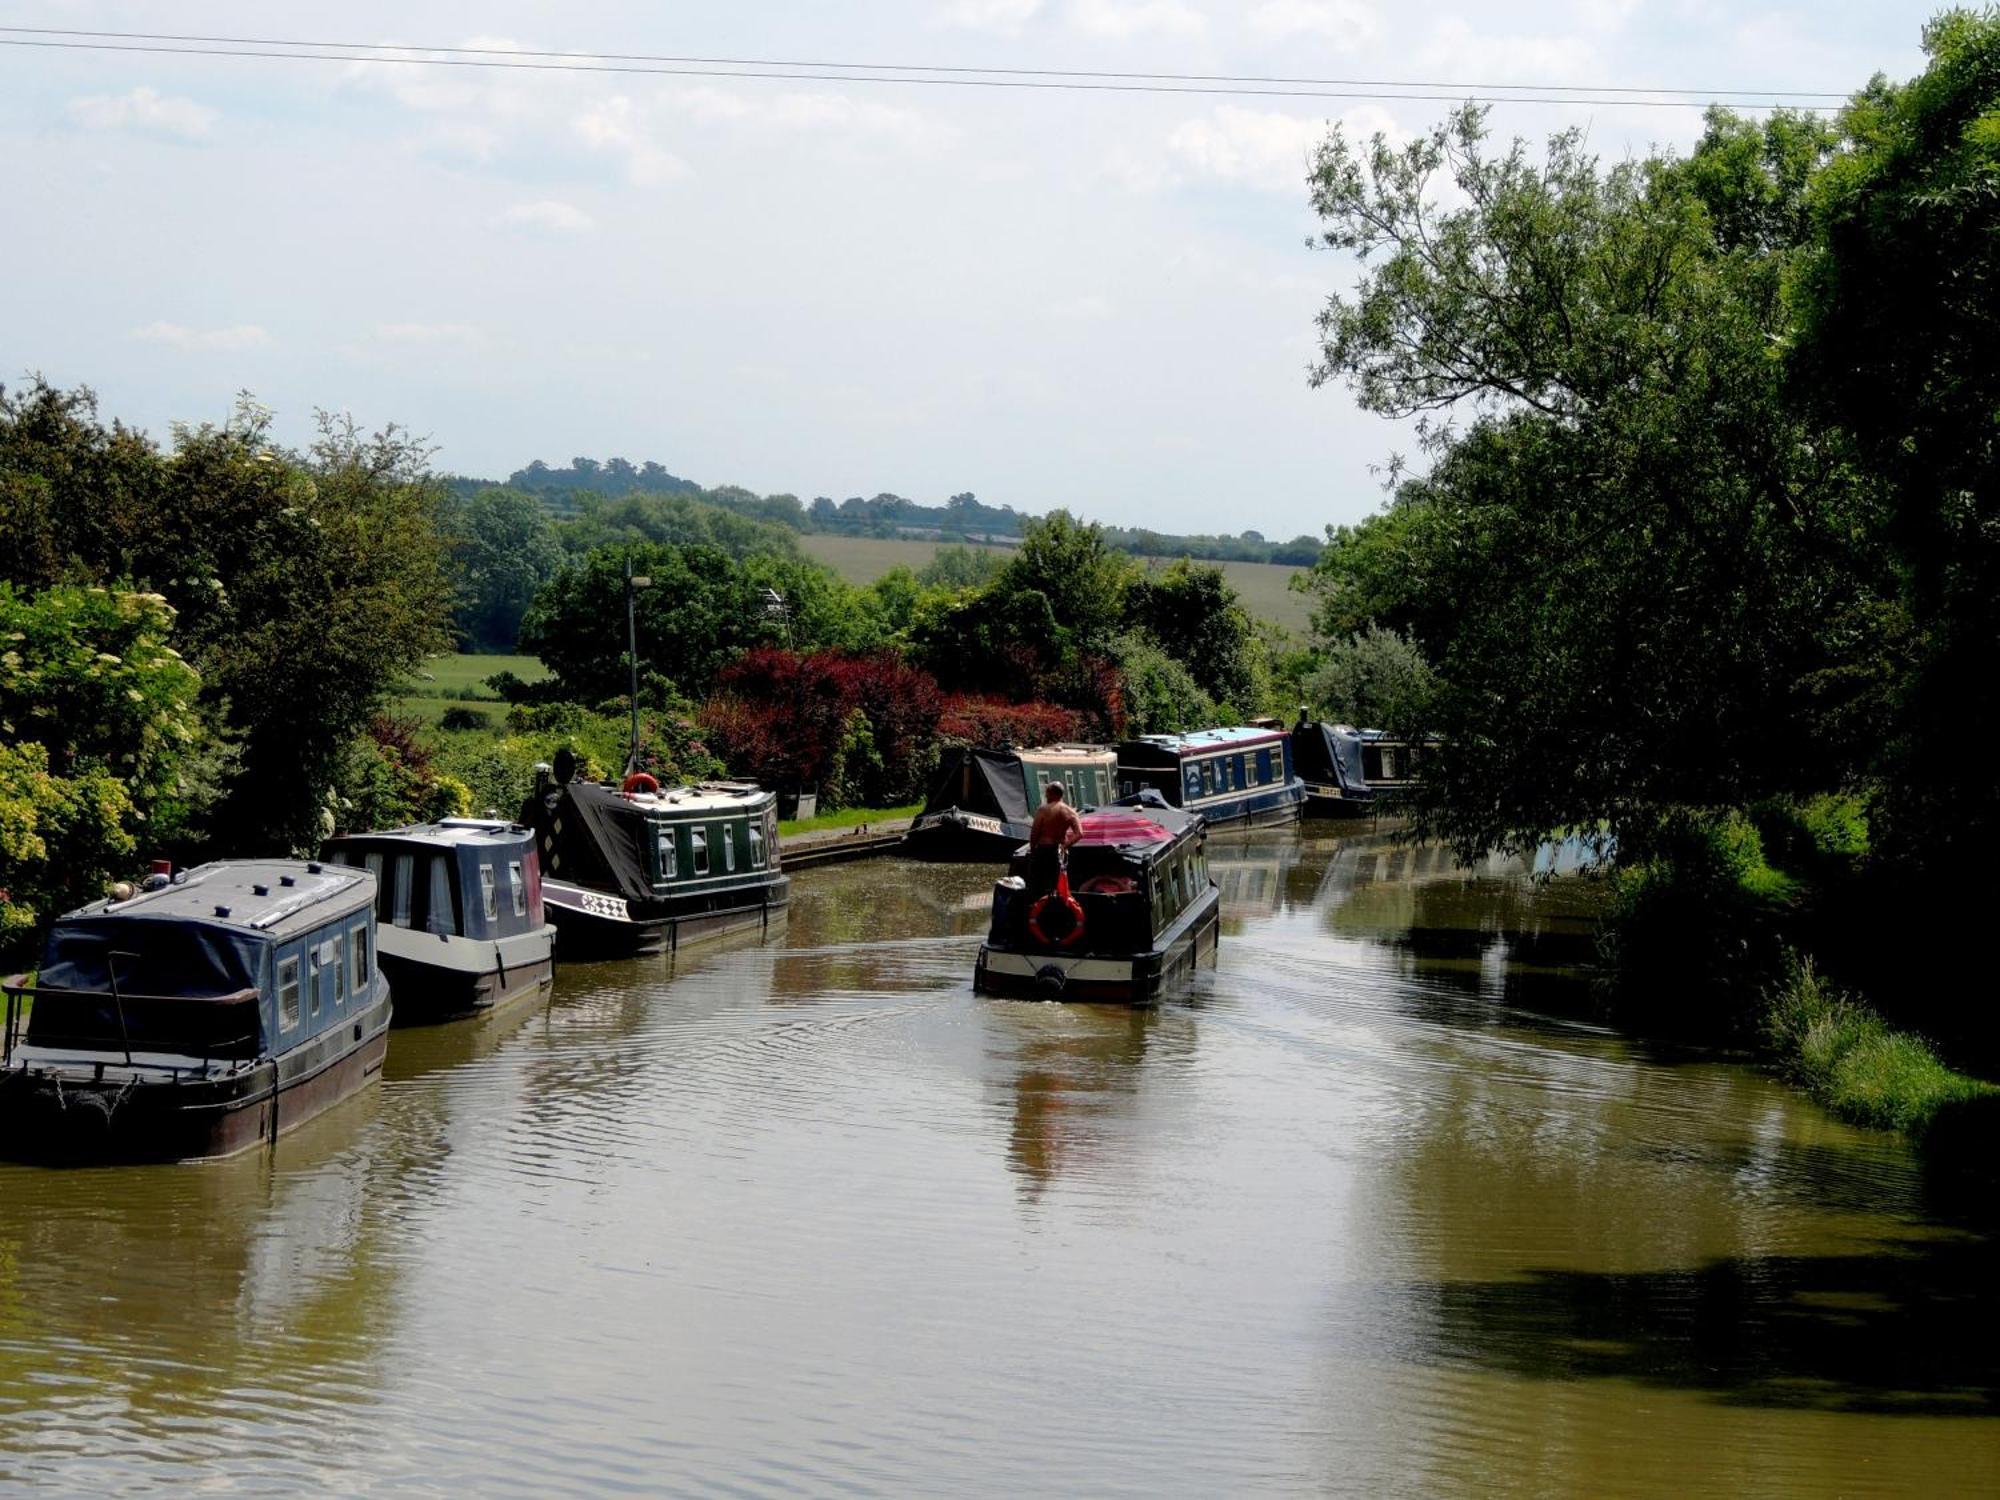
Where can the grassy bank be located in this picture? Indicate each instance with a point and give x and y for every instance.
(1856, 1065)
(459, 681)
(852, 817)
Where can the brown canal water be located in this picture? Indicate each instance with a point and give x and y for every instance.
(1362, 1214)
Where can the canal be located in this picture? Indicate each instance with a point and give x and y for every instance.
(1374, 1210)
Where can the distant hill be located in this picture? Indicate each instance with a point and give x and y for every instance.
(962, 518)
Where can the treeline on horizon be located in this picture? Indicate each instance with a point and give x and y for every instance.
(570, 490)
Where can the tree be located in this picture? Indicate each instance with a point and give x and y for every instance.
(503, 549)
(1068, 563)
(1641, 577)
(304, 584)
(1374, 679)
(1900, 345)
(1194, 615)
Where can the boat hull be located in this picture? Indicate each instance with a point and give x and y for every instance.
(1107, 979)
(597, 924)
(954, 836)
(436, 979)
(1331, 802)
(69, 1109)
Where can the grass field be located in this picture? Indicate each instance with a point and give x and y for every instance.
(1265, 587)
(451, 681)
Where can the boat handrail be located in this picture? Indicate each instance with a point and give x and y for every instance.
(17, 988)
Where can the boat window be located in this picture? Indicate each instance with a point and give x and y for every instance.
(1264, 766)
(1191, 781)
(669, 860)
(322, 960)
(438, 918)
(698, 847)
(486, 893)
(374, 864)
(406, 865)
(339, 987)
(518, 886)
(358, 941)
(1208, 778)
(288, 994)
(756, 846)
(728, 832)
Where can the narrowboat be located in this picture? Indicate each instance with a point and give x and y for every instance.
(458, 915)
(1129, 918)
(1328, 759)
(982, 801)
(1237, 775)
(209, 1011)
(630, 869)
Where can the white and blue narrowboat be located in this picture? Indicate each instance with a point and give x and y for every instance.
(197, 1016)
(458, 915)
(1130, 918)
(1238, 775)
(982, 801)
(631, 869)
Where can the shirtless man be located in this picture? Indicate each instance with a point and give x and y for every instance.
(1055, 828)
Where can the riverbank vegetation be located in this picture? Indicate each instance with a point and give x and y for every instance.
(1704, 555)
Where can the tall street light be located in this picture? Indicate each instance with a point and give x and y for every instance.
(633, 583)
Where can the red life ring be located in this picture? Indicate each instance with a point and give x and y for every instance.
(1060, 899)
(639, 781)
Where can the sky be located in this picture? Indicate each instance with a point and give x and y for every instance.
(1099, 300)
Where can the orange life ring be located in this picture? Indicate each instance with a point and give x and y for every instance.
(639, 781)
(1075, 933)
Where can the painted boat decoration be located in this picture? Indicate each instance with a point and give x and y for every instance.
(633, 869)
(1235, 775)
(198, 1016)
(1133, 915)
(458, 915)
(982, 801)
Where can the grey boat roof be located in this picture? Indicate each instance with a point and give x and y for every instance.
(276, 898)
(449, 833)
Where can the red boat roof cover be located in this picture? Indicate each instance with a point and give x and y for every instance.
(1122, 826)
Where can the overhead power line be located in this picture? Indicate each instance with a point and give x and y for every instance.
(1234, 85)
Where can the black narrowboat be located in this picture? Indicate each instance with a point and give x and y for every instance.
(1353, 773)
(632, 869)
(1131, 916)
(982, 801)
(458, 915)
(1237, 775)
(207, 1012)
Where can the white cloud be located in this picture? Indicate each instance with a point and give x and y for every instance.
(1349, 23)
(1085, 309)
(549, 215)
(146, 111)
(1006, 17)
(618, 127)
(1458, 54)
(426, 333)
(1121, 20)
(237, 336)
(1254, 147)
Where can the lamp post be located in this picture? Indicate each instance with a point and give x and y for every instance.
(633, 583)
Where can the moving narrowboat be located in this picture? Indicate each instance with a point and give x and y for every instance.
(458, 915)
(1131, 916)
(195, 1017)
(1239, 775)
(631, 869)
(982, 801)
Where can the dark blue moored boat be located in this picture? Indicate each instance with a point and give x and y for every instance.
(1354, 772)
(1241, 775)
(1135, 914)
(195, 1018)
(458, 915)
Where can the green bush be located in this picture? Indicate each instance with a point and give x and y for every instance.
(1852, 1062)
(1822, 835)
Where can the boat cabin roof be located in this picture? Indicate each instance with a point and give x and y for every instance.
(476, 833)
(1200, 741)
(700, 797)
(271, 898)
(1086, 753)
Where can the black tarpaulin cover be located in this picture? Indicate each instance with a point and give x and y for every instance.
(592, 836)
(190, 960)
(1329, 753)
(981, 781)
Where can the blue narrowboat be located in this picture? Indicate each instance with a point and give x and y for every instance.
(458, 915)
(1237, 775)
(197, 1016)
(1354, 772)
